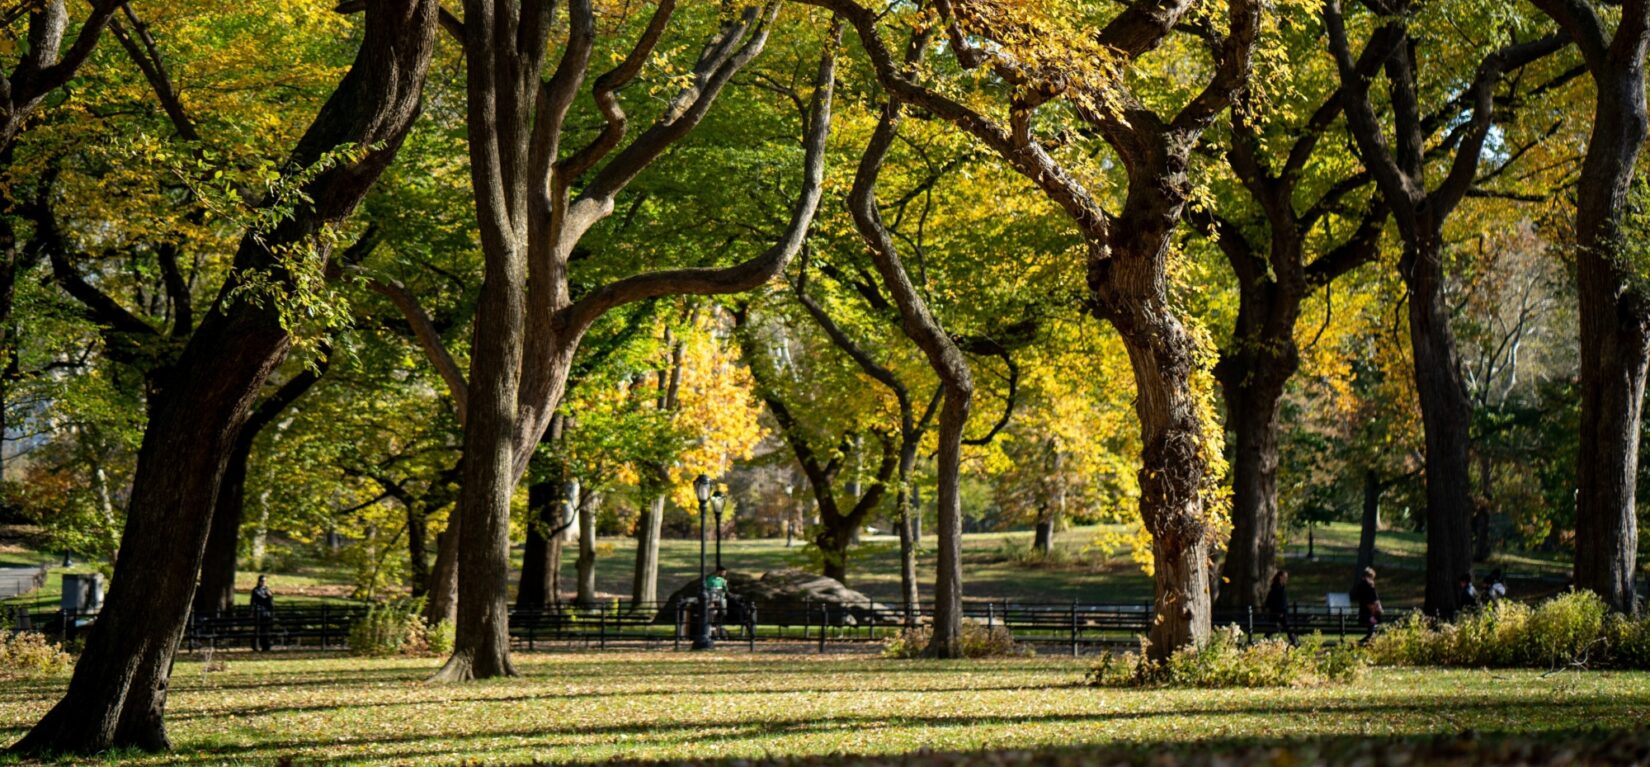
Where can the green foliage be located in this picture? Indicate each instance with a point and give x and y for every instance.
(1227, 661)
(29, 654)
(439, 638)
(978, 641)
(1572, 629)
(392, 628)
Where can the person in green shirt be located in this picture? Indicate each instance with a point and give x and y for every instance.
(717, 581)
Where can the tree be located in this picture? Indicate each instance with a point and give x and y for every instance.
(1297, 195)
(1614, 298)
(1042, 56)
(528, 324)
(117, 695)
(911, 429)
(822, 434)
(1400, 173)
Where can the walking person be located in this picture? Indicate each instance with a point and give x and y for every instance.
(1368, 601)
(1466, 600)
(1495, 589)
(1277, 604)
(263, 616)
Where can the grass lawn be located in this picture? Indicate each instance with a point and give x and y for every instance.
(1079, 574)
(657, 705)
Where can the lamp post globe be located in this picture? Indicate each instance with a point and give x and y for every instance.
(702, 640)
(717, 501)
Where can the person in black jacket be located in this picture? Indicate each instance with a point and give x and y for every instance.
(1369, 602)
(1466, 601)
(263, 615)
(1277, 603)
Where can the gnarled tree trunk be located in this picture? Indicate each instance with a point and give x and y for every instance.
(117, 696)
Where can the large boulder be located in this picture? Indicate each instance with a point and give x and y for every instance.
(792, 597)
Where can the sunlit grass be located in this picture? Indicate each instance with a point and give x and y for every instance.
(577, 707)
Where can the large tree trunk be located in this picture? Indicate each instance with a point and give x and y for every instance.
(1172, 477)
(534, 589)
(1446, 414)
(946, 641)
(644, 588)
(1251, 558)
(832, 542)
(117, 696)
(481, 647)
(1615, 331)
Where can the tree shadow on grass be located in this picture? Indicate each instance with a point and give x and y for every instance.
(1438, 710)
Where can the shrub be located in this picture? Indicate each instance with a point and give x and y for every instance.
(1571, 628)
(1566, 629)
(1227, 661)
(28, 654)
(390, 628)
(978, 641)
(440, 637)
(1023, 551)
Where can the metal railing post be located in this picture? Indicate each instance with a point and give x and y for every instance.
(1073, 628)
(824, 621)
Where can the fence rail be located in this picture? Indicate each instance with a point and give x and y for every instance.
(1072, 626)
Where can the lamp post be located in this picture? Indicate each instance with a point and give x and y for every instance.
(701, 490)
(717, 501)
(790, 512)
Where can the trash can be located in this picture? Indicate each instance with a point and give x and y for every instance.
(82, 593)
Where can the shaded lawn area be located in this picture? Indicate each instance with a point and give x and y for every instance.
(1080, 573)
(656, 705)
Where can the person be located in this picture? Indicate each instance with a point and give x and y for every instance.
(1467, 599)
(263, 614)
(1495, 589)
(716, 588)
(1277, 603)
(717, 581)
(1368, 601)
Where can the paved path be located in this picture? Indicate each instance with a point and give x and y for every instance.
(17, 581)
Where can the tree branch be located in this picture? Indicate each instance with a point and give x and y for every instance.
(751, 273)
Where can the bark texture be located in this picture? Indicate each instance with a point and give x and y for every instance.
(1614, 300)
(117, 696)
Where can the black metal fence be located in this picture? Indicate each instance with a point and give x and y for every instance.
(1070, 626)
